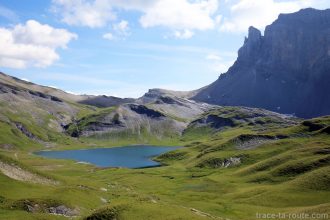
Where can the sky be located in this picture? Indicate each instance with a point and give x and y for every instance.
(125, 47)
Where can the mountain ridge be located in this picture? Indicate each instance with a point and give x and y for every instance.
(40, 112)
(287, 70)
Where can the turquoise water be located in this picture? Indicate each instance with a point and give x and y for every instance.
(138, 156)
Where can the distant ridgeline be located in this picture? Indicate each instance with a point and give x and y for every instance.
(287, 70)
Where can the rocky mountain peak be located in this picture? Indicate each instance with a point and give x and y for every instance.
(286, 70)
(308, 17)
(254, 35)
(251, 45)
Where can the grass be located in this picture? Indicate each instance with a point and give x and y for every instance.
(283, 175)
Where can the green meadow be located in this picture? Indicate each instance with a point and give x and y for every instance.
(290, 174)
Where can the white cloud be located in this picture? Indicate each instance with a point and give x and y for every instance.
(122, 28)
(185, 34)
(184, 16)
(139, 5)
(213, 57)
(121, 31)
(218, 19)
(259, 13)
(108, 36)
(31, 44)
(43, 35)
(93, 14)
(180, 14)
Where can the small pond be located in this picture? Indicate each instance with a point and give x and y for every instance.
(139, 156)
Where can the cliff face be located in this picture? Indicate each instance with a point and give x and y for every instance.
(287, 70)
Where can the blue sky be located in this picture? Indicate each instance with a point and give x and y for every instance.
(125, 47)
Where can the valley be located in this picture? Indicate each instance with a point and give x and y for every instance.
(236, 161)
(236, 149)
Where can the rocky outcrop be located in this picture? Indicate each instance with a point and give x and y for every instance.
(63, 210)
(44, 206)
(220, 163)
(25, 131)
(219, 118)
(104, 101)
(154, 94)
(143, 110)
(6, 88)
(326, 130)
(215, 121)
(128, 120)
(174, 103)
(252, 141)
(317, 125)
(287, 70)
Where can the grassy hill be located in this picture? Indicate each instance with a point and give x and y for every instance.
(236, 162)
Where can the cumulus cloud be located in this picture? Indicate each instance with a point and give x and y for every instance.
(260, 13)
(93, 14)
(32, 44)
(43, 35)
(181, 16)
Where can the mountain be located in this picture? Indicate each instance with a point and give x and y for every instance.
(103, 101)
(98, 101)
(31, 113)
(154, 94)
(14, 82)
(287, 70)
(161, 115)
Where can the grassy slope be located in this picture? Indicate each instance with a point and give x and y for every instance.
(287, 175)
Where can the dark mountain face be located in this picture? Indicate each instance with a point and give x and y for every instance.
(287, 70)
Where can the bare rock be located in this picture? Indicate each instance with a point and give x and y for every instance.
(287, 70)
(63, 210)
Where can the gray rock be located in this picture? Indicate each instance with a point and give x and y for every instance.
(220, 163)
(25, 131)
(105, 101)
(6, 146)
(232, 161)
(287, 70)
(62, 210)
